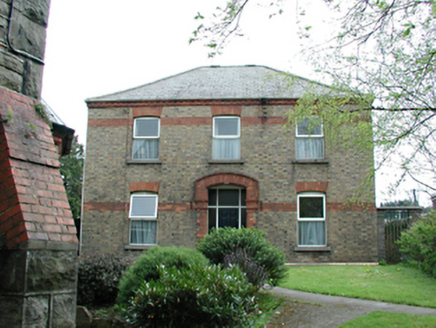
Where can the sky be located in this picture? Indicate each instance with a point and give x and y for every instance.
(97, 47)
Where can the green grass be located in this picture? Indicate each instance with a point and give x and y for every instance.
(390, 283)
(394, 320)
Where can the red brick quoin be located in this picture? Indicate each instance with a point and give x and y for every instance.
(201, 196)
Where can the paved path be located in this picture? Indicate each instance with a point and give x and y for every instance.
(332, 311)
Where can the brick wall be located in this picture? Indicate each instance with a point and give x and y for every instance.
(37, 235)
(268, 158)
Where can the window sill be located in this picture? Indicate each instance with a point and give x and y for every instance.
(225, 161)
(144, 161)
(137, 247)
(312, 249)
(310, 161)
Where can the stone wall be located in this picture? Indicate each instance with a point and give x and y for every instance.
(268, 157)
(22, 44)
(38, 243)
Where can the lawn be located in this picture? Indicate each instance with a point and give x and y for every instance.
(391, 320)
(387, 283)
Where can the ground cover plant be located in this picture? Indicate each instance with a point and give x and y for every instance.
(244, 243)
(387, 283)
(391, 320)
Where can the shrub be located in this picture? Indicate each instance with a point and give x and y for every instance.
(255, 273)
(146, 267)
(199, 296)
(98, 279)
(419, 243)
(217, 244)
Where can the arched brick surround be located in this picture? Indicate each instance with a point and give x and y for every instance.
(201, 196)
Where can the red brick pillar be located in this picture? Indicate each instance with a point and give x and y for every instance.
(38, 257)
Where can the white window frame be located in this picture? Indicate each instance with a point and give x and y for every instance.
(152, 218)
(229, 137)
(155, 137)
(144, 119)
(238, 135)
(217, 206)
(311, 219)
(309, 136)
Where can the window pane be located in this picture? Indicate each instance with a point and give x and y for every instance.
(212, 219)
(143, 206)
(311, 207)
(143, 232)
(311, 233)
(243, 217)
(146, 149)
(228, 197)
(310, 148)
(228, 217)
(310, 126)
(226, 148)
(243, 197)
(212, 197)
(226, 126)
(147, 127)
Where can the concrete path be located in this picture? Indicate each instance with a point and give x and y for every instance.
(332, 311)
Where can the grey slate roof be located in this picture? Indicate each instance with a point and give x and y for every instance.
(220, 82)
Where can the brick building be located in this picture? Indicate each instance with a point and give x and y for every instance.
(169, 160)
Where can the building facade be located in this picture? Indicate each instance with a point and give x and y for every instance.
(169, 161)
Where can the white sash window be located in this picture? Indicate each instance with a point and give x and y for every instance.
(226, 143)
(143, 219)
(227, 207)
(311, 220)
(146, 132)
(309, 138)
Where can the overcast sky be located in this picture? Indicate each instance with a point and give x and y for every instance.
(96, 47)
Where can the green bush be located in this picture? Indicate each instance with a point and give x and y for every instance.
(254, 272)
(147, 265)
(217, 244)
(198, 296)
(98, 279)
(419, 243)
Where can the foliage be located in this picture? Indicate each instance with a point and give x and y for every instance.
(388, 283)
(194, 296)
(254, 272)
(217, 244)
(388, 319)
(396, 203)
(419, 243)
(98, 279)
(146, 267)
(72, 175)
(381, 58)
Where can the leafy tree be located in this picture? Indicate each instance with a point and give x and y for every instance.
(395, 203)
(381, 59)
(72, 175)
